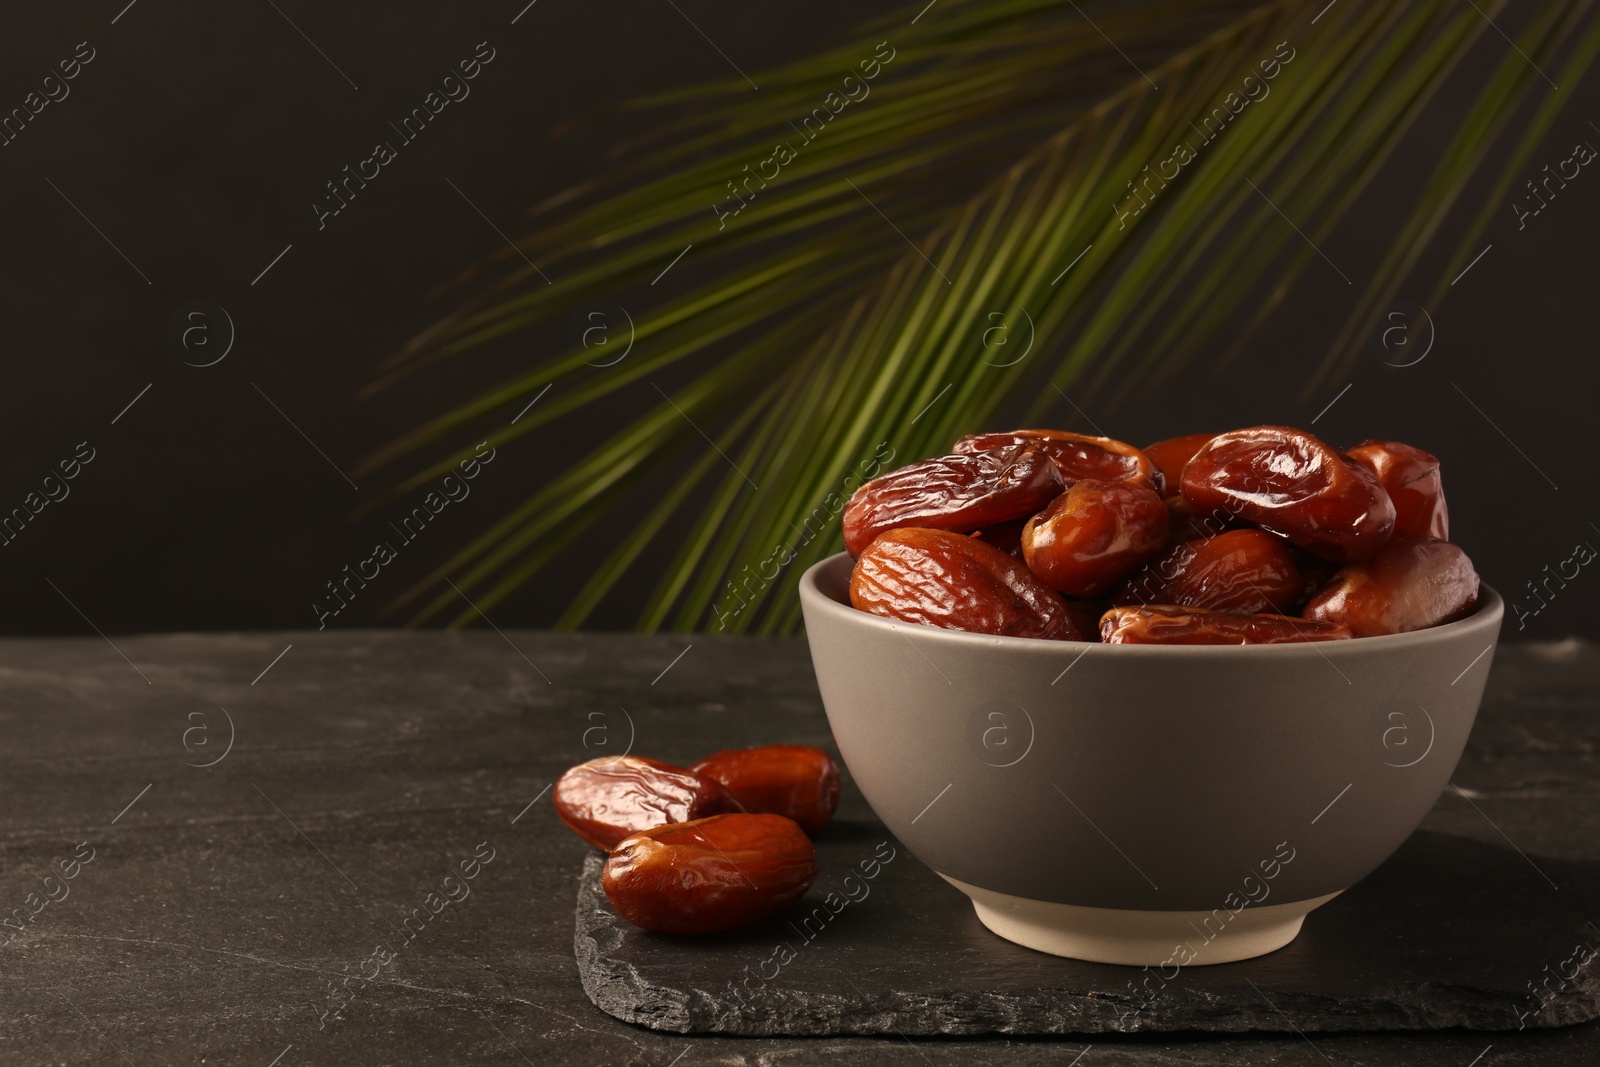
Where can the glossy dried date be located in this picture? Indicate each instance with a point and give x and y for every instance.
(956, 492)
(1289, 482)
(1242, 571)
(1168, 624)
(1077, 456)
(710, 874)
(1411, 478)
(1094, 534)
(1411, 584)
(797, 781)
(938, 578)
(1174, 454)
(607, 799)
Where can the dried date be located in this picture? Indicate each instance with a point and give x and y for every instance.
(1094, 534)
(1411, 584)
(1241, 571)
(606, 799)
(1168, 624)
(938, 578)
(1174, 454)
(1077, 456)
(1411, 478)
(1289, 482)
(797, 781)
(710, 874)
(957, 492)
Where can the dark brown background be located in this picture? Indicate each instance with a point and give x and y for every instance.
(200, 134)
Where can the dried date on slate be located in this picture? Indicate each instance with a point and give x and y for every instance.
(1174, 454)
(1242, 571)
(1289, 482)
(709, 875)
(1168, 624)
(956, 492)
(1411, 478)
(1092, 535)
(1411, 584)
(607, 799)
(796, 781)
(938, 578)
(1077, 456)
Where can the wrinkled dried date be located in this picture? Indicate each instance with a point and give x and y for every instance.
(1077, 456)
(1197, 532)
(710, 874)
(796, 781)
(1241, 571)
(1411, 478)
(1291, 483)
(1411, 584)
(1174, 454)
(956, 492)
(1094, 534)
(607, 799)
(1166, 624)
(943, 579)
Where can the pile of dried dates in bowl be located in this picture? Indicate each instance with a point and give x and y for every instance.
(1265, 535)
(705, 848)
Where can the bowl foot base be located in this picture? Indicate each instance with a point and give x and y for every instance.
(1140, 938)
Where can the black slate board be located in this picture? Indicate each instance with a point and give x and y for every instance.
(1450, 932)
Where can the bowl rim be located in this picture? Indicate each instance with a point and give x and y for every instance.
(1484, 620)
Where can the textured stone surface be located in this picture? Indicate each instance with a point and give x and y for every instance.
(1438, 937)
(208, 928)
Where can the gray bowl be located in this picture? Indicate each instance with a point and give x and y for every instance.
(1138, 804)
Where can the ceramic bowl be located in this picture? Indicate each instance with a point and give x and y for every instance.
(1140, 804)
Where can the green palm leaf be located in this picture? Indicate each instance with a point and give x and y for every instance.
(985, 180)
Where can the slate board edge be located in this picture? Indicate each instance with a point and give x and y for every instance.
(618, 989)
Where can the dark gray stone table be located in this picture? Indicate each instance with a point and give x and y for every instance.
(228, 912)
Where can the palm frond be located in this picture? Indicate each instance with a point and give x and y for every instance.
(996, 174)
